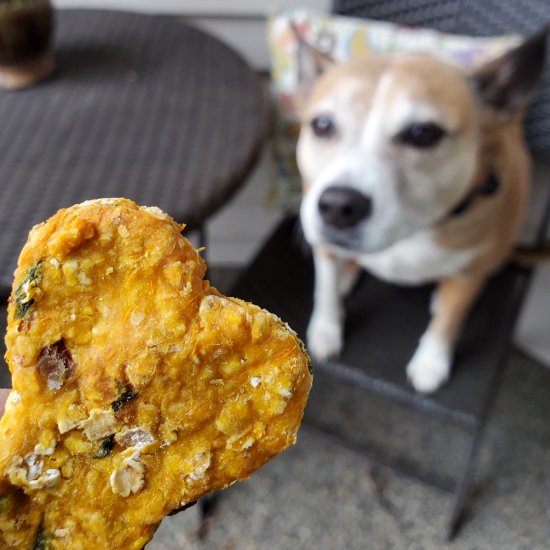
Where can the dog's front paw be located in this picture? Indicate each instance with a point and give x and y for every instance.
(430, 365)
(324, 339)
(428, 374)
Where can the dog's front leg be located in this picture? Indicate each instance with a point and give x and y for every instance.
(431, 363)
(324, 333)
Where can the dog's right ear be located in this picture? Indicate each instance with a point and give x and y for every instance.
(311, 64)
(507, 84)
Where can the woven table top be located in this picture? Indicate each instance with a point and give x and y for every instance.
(142, 107)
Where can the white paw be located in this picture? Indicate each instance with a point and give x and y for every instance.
(430, 366)
(324, 339)
(428, 376)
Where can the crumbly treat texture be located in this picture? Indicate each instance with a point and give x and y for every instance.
(137, 387)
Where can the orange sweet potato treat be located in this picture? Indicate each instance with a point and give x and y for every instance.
(137, 387)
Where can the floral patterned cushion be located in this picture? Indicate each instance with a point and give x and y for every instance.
(343, 38)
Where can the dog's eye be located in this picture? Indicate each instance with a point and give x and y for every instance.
(422, 134)
(323, 127)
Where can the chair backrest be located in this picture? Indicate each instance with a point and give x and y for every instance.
(476, 18)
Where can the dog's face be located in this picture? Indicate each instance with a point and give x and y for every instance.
(387, 145)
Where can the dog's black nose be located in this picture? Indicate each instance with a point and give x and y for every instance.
(343, 207)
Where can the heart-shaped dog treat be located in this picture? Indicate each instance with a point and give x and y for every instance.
(137, 387)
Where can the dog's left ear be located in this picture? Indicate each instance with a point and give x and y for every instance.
(311, 64)
(507, 84)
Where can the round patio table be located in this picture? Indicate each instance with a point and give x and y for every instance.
(143, 107)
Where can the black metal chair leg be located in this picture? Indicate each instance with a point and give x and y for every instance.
(465, 478)
(463, 484)
(208, 505)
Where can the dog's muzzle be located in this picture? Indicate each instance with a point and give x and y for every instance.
(343, 207)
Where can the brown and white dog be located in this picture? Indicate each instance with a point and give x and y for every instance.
(417, 173)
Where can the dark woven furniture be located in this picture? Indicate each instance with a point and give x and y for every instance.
(384, 321)
(383, 325)
(142, 107)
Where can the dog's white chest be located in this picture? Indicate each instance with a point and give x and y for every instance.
(416, 260)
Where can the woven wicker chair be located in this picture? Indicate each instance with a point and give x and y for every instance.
(281, 276)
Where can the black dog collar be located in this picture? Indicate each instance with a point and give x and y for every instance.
(490, 187)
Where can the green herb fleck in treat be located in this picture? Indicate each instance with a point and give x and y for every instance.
(21, 309)
(106, 447)
(5, 504)
(24, 294)
(128, 393)
(42, 539)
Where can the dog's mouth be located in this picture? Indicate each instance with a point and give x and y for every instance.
(356, 240)
(342, 238)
